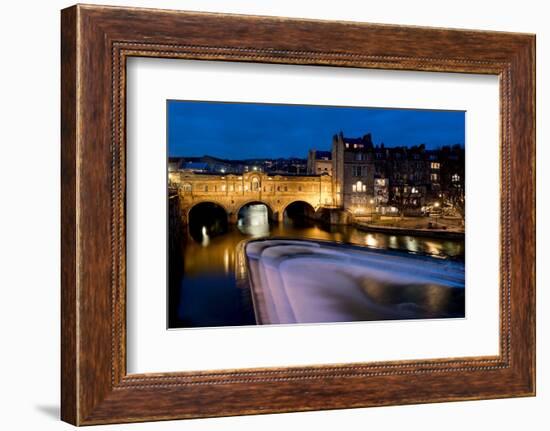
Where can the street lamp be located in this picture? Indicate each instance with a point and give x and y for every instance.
(371, 202)
(436, 205)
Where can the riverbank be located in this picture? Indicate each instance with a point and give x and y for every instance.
(445, 228)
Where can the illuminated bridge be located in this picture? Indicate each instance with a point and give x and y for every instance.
(303, 195)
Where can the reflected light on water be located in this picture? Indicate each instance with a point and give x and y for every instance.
(254, 220)
(411, 243)
(205, 238)
(226, 260)
(210, 267)
(371, 241)
(211, 254)
(432, 247)
(436, 297)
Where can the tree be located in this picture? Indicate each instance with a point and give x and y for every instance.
(457, 201)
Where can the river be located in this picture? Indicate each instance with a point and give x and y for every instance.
(205, 293)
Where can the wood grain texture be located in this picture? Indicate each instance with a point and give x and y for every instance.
(69, 397)
(96, 41)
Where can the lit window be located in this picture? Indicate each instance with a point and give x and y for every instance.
(354, 187)
(347, 145)
(433, 177)
(456, 178)
(435, 165)
(364, 187)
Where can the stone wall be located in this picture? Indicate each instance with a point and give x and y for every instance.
(232, 192)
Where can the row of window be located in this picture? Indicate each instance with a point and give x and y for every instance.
(359, 187)
(254, 187)
(418, 165)
(411, 190)
(418, 176)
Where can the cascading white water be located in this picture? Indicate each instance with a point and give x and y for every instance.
(294, 281)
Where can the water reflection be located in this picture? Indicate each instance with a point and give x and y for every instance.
(205, 238)
(254, 220)
(206, 289)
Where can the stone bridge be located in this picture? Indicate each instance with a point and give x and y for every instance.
(232, 192)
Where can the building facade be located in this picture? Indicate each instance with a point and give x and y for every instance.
(353, 173)
(374, 179)
(319, 162)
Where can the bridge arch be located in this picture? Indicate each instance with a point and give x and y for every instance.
(206, 219)
(298, 210)
(255, 217)
(271, 211)
(208, 201)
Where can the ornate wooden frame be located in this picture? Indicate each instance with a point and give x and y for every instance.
(95, 43)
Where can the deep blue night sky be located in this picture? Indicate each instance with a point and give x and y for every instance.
(253, 130)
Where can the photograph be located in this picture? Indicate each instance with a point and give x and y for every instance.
(307, 214)
(274, 215)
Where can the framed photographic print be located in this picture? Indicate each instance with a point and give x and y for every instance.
(322, 214)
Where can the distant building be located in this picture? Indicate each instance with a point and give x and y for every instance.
(405, 180)
(210, 164)
(174, 164)
(195, 167)
(319, 162)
